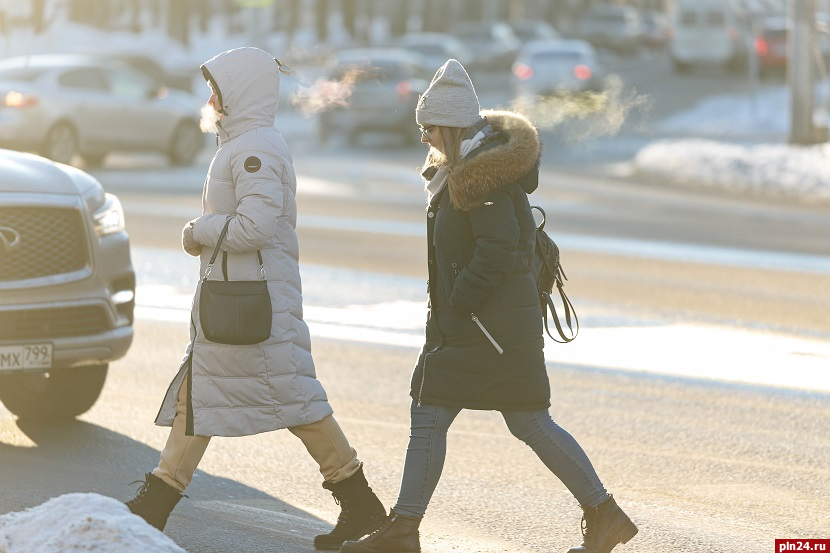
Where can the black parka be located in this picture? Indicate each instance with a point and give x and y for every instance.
(480, 233)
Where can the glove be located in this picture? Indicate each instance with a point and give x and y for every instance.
(190, 245)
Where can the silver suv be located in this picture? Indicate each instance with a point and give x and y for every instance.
(67, 287)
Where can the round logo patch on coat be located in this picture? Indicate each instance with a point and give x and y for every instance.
(252, 164)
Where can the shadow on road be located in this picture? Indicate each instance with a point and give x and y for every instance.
(46, 460)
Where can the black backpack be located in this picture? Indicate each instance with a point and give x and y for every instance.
(547, 271)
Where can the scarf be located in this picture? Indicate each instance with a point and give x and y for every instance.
(481, 131)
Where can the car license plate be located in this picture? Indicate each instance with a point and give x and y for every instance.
(26, 356)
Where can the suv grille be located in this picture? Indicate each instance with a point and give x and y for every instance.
(56, 322)
(52, 242)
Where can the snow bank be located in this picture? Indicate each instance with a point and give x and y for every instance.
(738, 143)
(81, 522)
(727, 116)
(774, 170)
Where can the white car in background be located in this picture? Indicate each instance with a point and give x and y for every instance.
(61, 106)
(555, 68)
(709, 32)
(67, 287)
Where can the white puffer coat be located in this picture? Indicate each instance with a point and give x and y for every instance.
(243, 390)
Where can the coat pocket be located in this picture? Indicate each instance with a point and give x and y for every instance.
(489, 336)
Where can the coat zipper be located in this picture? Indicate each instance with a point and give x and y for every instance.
(489, 336)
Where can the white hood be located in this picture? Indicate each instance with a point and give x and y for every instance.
(248, 82)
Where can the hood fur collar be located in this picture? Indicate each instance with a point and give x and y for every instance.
(476, 177)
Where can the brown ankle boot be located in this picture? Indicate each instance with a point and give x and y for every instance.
(399, 534)
(603, 527)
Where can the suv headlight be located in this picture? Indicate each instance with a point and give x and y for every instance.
(109, 216)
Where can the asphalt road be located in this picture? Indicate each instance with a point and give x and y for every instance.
(369, 215)
(701, 466)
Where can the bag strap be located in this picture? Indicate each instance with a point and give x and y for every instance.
(569, 309)
(225, 256)
(559, 273)
(544, 216)
(225, 264)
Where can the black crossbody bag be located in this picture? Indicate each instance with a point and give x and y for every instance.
(234, 312)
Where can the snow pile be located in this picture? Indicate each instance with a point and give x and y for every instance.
(774, 170)
(81, 522)
(738, 143)
(725, 116)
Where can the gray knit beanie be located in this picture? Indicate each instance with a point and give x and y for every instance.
(450, 100)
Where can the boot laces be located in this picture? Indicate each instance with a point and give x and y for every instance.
(589, 529)
(345, 507)
(387, 521)
(145, 485)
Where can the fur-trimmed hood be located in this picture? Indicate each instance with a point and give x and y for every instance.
(498, 164)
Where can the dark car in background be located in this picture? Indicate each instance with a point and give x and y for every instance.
(657, 30)
(67, 287)
(493, 44)
(372, 90)
(528, 30)
(435, 48)
(61, 106)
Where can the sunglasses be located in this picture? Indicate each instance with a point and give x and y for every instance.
(425, 132)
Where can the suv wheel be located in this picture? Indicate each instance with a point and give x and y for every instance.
(61, 394)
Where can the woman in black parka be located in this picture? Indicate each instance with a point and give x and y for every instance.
(484, 329)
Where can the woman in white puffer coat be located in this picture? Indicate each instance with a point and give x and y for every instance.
(224, 390)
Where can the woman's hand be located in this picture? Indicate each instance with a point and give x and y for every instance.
(190, 245)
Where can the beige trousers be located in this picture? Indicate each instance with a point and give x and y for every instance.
(323, 439)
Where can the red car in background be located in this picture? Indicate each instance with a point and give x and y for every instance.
(771, 44)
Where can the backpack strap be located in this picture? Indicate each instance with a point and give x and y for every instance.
(547, 302)
(541, 225)
(559, 275)
(569, 309)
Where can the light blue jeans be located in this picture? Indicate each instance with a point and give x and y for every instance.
(427, 450)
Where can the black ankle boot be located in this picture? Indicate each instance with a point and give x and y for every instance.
(603, 527)
(154, 501)
(399, 534)
(361, 512)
